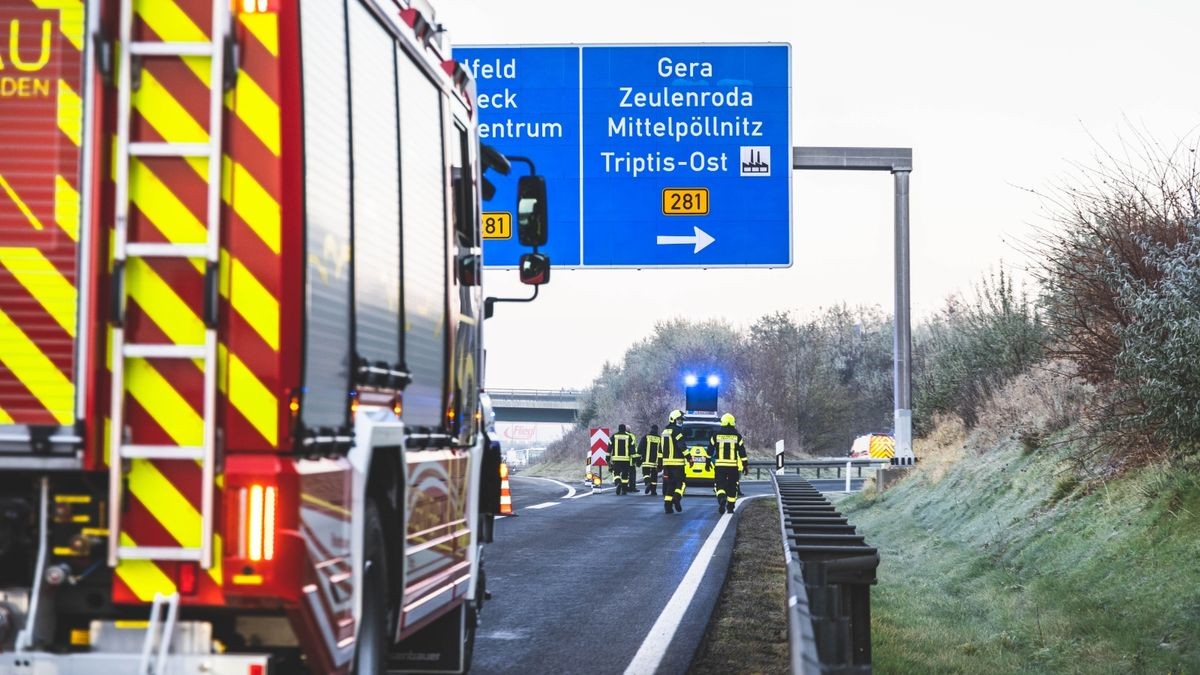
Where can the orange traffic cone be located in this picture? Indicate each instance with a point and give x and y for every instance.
(506, 508)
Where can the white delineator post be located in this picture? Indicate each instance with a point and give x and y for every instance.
(779, 456)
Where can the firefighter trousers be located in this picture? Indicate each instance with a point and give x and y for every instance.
(650, 478)
(623, 471)
(727, 488)
(673, 485)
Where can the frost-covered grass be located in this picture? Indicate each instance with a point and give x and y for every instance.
(1002, 559)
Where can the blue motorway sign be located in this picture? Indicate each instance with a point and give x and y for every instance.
(654, 156)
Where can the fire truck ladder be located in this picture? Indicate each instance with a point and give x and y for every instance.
(130, 57)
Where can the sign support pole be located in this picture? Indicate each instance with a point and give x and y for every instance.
(902, 344)
(898, 161)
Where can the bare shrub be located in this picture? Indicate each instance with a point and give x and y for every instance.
(1038, 403)
(1109, 219)
(969, 349)
(1120, 294)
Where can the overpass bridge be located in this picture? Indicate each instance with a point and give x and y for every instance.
(556, 406)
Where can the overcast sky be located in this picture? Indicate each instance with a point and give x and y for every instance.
(992, 98)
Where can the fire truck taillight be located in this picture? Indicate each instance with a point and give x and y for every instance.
(258, 513)
(187, 578)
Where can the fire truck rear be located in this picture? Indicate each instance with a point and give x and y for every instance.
(240, 338)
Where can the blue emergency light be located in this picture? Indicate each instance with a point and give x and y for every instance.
(701, 395)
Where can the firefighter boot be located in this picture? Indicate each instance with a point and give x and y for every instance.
(678, 503)
(667, 505)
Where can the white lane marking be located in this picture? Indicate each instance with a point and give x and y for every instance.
(650, 655)
(543, 505)
(593, 492)
(570, 490)
(504, 635)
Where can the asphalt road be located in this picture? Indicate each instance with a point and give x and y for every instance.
(577, 583)
(579, 579)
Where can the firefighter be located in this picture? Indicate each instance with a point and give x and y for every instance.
(623, 443)
(672, 458)
(649, 448)
(727, 451)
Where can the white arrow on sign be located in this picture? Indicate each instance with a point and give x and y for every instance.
(701, 239)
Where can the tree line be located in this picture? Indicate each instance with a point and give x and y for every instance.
(1117, 297)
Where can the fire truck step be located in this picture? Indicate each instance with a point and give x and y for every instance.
(149, 351)
(171, 49)
(195, 452)
(159, 553)
(159, 149)
(156, 250)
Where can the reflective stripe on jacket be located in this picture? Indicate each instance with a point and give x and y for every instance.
(674, 450)
(622, 446)
(726, 449)
(651, 447)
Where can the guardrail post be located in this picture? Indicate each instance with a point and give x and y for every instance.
(829, 629)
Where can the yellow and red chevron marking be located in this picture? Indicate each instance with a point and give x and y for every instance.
(882, 447)
(168, 203)
(40, 123)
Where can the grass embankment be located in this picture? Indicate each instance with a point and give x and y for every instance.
(748, 630)
(567, 470)
(1007, 559)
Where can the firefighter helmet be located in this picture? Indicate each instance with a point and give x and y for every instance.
(727, 420)
(675, 415)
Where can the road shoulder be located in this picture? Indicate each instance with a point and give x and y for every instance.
(696, 614)
(744, 634)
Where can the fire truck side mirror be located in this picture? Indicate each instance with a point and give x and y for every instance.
(532, 222)
(535, 269)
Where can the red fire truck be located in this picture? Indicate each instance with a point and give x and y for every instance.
(240, 338)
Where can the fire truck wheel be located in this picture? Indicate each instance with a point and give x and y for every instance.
(371, 650)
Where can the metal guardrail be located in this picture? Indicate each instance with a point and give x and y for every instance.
(830, 571)
(797, 466)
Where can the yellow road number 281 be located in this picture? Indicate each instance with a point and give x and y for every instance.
(497, 225)
(685, 201)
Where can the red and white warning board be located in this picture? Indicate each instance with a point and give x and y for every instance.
(598, 450)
